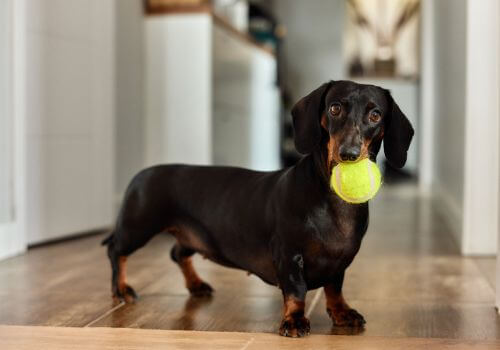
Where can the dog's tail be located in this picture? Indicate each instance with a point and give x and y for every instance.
(108, 239)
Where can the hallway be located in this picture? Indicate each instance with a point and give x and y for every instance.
(408, 281)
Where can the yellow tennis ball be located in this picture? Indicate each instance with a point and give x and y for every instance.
(356, 182)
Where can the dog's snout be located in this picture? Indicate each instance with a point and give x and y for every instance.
(350, 154)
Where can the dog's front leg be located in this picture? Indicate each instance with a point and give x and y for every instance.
(339, 311)
(293, 286)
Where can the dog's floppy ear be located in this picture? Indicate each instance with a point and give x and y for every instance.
(306, 115)
(397, 135)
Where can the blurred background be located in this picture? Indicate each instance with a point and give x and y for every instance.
(92, 91)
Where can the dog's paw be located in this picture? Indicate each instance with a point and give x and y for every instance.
(346, 318)
(126, 294)
(201, 289)
(295, 327)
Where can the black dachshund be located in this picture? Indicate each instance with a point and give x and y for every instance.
(287, 227)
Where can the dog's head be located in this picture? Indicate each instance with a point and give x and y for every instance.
(347, 121)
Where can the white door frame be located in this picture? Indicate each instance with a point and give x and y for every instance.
(497, 303)
(12, 234)
(427, 92)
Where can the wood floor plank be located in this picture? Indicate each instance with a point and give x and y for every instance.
(221, 313)
(68, 284)
(417, 279)
(55, 285)
(487, 266)
(55, 338)
(427, 319)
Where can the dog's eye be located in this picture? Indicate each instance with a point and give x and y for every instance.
(335, 109)
(375, 116)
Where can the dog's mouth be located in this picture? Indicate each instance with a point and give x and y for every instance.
(333, 156)
(334, 159)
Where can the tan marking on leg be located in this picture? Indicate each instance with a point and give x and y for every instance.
(293, 306)
(334, 300)
(294, 323)
(190, 275)
(122, 277)
(340, 312)
(122, 289)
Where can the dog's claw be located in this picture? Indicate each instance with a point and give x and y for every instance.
(127, 295)
(295, 327)
(202, 289)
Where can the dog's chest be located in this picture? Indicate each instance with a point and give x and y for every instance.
(333, 237)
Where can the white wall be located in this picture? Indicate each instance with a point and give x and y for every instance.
(179, 89)
(450, 52)
(466, 120)
(480, 222)
(129, 84)
(12, 120)
(70, 116)
(497, 301)
(427, 96)
(246, 119)
(6, 120)
(313, 46)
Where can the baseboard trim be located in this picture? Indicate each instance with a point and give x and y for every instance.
(70, 237)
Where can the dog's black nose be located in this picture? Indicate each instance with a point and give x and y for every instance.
(349, 153)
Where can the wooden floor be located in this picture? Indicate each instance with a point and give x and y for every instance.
(57, 338)
(408, 281)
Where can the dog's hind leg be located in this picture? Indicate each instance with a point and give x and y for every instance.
(119, 287)
(183, 257)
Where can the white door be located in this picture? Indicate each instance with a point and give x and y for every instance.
(12, 238)
(498, 217)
